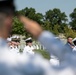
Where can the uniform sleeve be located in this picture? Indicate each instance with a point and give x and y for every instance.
(26, 50)
(53, 46)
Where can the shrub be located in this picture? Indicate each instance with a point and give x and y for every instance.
(45, 54)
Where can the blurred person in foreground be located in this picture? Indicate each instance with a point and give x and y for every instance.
(53, 59)
(7, 11)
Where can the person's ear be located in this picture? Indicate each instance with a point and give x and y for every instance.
(9, 21)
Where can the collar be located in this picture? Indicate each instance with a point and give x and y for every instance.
(71, 44)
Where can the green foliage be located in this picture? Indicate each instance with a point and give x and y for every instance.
(45, 54)
(47, 25)
(17, 27)
(56, 18)
(53, 20)
(55, 29)
(73, 19)
(70, 32)
(31, 13)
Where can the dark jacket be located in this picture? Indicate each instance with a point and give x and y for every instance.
(68, 46)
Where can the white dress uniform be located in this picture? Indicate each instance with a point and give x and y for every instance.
(14, 49)
(74, 40)
(28, 50)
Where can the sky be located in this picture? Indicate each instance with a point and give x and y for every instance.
(42, 6)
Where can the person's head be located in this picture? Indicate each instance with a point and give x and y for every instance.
(7, 10)
(28, 42)
(69, 40)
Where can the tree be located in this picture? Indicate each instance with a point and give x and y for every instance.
(69, 32)
(73, 19)
(18, 27)
(55, 30)
(47, 25)
(56, 17)
(31, 13)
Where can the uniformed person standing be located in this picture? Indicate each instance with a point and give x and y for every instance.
(29, 47)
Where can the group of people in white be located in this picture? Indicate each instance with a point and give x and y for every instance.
(14, 46)
(29, 47)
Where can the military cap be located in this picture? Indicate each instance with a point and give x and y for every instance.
(28, 40)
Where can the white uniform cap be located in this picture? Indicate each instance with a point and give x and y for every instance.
(74, 39)
(28, 39)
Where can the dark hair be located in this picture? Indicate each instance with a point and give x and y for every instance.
(7, 6)
(69, 37)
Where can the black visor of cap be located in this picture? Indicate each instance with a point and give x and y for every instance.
(28, 41)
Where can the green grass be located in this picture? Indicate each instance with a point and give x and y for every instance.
(45, 54)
